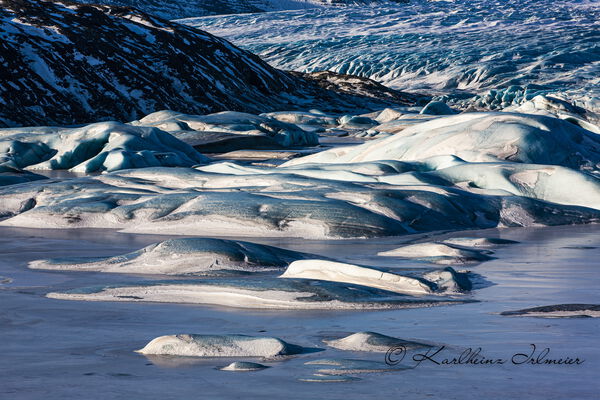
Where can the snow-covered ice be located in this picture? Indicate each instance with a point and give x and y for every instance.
(103, 146)
(266, 293)
(220, 346)
(189, 256)
(364, 276)
(372, 342)
(439, 253)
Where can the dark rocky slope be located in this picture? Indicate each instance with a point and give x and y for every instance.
(68, 63)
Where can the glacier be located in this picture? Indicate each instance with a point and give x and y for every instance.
(494, 52)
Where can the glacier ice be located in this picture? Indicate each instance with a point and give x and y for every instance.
(352, 366)
(559, 311)
(364, 276)
(460, 47)
(219, 346)
(249, 130)
(267, 293)
(188, 256)
(372, 342)
(439, 253)
(243, 366)
(103, 146)
(480, 137)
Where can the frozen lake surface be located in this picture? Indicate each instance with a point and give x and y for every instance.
(68, 349)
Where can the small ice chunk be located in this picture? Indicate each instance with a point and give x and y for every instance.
(372, 342)
(219, 346)
(244, 366)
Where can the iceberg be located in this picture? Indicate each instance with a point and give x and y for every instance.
(219, 346)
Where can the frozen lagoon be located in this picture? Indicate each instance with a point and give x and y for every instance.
(64, 349)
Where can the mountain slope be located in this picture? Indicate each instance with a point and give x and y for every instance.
(67, 63)
(170, 9)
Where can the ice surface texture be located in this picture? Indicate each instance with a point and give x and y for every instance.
(442, 46)
(189, 256)
(104, 146)
(220, 346)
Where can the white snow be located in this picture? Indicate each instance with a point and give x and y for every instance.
(219, 346)
(372, 342)
(189, 256)
(348, 273)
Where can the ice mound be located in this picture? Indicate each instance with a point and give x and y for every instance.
(313, 117)
(103, 146)
(264, 131)
(478, 242)
(365, 276)
(367, 199)
(273, 293)
(244, 366)
(479, 137)
(449, 280)
(372, 342)
(349, 366)
(542, 182)
(190, 256)
(439, 253)
(220, 346)
(559, 311)
(437, 108)
(13, 176)
(559, 108)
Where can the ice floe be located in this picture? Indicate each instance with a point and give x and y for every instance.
(350, 366)
(559, 311)
(439, 253)
(266, 293)
(478, 242)
(364, 276)
(372, 342)
(189, 256)
(244, 366)
(220, 346)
